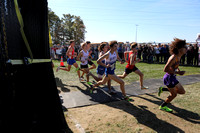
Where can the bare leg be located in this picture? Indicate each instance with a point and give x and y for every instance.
(76, 66)
(180, 89)
(138, 72)
(123, 75)
(101, 82)
(118, 80)
(95, 77)
(92, 67)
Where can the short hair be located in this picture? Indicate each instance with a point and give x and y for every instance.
(176, 45)
(112, 43)
(88, 42)
(133, 45)
(102, 45)
(71, 41)
(83, 44)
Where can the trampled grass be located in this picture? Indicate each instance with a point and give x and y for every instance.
(149, 70)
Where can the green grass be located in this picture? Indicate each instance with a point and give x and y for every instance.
(149, 70)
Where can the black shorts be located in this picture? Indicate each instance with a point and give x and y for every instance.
(127, 71)
(84, 66)
(90, 62)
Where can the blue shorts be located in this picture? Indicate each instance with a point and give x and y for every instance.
(170, 80)
(71, 61)
(101, 70)
(109, 71)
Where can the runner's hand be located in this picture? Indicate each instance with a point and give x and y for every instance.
(108, 66)
(181, 72)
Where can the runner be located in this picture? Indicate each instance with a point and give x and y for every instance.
(71, 61)
(83, 57)
(130, 67)
(177, 49)
(101, 69)
(92, 65)
(111, 56)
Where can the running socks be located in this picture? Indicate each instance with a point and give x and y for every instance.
(164, 107)
(127, 98)
(161, 89)
(89, 83)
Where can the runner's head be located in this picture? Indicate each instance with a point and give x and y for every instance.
(178, 46)
(113, 45)
(71, 42)
(88, 44)
(134, 47)
(84, 46)
(103, 47)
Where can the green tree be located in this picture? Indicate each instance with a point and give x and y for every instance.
(54, 26)
(74, 28)
(69, 27)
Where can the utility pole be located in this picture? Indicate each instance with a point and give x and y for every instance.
(136, 33)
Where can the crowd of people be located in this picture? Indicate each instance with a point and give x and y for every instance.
(146, 53)
(109, 54)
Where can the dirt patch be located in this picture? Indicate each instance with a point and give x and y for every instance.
(141, 115)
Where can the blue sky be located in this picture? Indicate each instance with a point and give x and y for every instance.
(157, 20)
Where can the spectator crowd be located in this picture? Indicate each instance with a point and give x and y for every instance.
(148, 53)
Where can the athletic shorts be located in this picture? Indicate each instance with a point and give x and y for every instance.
(71, 61)
(170, 80)
(101, 71)
(90, 62)
(84, 66)
(127, 71)
(109, 71)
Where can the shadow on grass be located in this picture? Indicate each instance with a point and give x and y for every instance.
(142, 115)
(145, 117)
(180, 112)
(61, 85)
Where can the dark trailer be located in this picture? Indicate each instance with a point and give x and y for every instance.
(29, 100)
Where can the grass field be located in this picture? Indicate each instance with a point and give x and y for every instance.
(140, 116)
(149, 70)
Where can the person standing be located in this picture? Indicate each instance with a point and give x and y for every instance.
(177, 49)
(196, 55)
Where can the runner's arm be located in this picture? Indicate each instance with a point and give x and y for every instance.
(79, 56)
(168, 67)
(99, 61)
(69, 50)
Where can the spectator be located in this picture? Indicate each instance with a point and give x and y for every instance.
(157, 53)
(189, 55)
(139, 51)
(196, 55)
(119, 50)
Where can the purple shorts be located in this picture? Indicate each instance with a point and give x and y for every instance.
(170, 80)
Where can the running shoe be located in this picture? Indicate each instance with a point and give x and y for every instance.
(58, 68)
(160, 90)
(89, 83)
(144, 87)
(81, 79)
(127, 98)
(165, 108)
(91, 90)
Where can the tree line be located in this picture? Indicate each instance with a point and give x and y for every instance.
(69, 27)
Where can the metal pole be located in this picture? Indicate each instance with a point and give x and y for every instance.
(136, 33)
